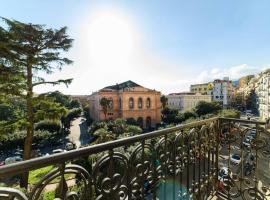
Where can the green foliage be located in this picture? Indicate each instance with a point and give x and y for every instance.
(46, 108)
(63, 100)
(103, 135)
(71, 115)
(230, 113)
(110, 130)
(74, 103)
(169, 115)
(203, 108)
(132, 121)
(26, 51)
(163, 100)
(36, 175)
(16, 138)
(189, 114)
(48, 125)
(104, 102)
(87, 116)
(133, 130)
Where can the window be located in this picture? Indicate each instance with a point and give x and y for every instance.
(131, 103)
(120, 103)
(148, 103)
(140, 103)
(110, 105)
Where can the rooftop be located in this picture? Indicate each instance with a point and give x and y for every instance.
(126, 84)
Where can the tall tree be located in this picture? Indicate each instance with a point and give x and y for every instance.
(26, 50)
(164, 101)
(104, 103)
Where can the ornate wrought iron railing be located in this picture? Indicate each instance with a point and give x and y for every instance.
(183, 162)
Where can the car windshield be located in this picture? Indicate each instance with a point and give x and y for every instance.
(236, 157)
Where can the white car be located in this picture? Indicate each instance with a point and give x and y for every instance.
(70, 146)
(224, 175)
(58, 151)
(235, 159)
(13, 159)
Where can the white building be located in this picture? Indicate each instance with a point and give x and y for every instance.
(262, 92)
(223, 91)
(186, 100)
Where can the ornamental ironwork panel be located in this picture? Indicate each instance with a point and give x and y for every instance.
(204, 159)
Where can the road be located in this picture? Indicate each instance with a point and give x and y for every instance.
(78, 132)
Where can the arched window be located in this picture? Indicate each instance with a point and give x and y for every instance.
(148, 123)
(140, 103)
(131, 103)
(140, 122)
(120, 103)
(110, 104)
(148, 102)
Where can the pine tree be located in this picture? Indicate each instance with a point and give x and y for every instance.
(25, 50)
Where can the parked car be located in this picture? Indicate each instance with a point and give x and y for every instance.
(58, 151)
(235, 159)
(70, 146)
(2, 163)
(13, 159)
(224, 175)
(247, 141)
(253, 133)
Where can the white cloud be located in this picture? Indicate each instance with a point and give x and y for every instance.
(234, 72)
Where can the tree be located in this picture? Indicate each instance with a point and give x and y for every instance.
(203, 108)
(25, 50)
(104, 103)
(164, 101)
(169, 115)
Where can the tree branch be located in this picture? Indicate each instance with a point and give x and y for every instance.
(66, 82)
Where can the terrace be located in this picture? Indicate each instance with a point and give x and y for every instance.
(182, 162)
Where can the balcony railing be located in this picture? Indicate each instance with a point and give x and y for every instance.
(183, 162)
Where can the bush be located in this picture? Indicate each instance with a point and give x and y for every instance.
(48, 125)
(133, 130)
(203, 108)
(132, 121)
(95, 126)
(87, 116)
(230, 113)
(188, 115)
(169, 115)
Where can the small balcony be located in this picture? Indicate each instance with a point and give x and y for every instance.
(190, 161)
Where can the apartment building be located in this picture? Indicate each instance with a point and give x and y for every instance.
(222, 91)
(186, 100)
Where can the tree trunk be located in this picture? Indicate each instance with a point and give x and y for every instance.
(30, 127)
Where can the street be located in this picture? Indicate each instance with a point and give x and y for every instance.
(78, 132)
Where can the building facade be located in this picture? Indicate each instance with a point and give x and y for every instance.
(128, 100)
(222, 91)
(204, 88)
(186, 100)
(262, 93)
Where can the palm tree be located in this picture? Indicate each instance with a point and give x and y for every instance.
(104, 103)
(164, 101)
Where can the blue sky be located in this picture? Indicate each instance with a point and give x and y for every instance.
(164, 45)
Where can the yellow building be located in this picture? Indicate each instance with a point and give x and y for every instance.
(204, 88)
(128, 100)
